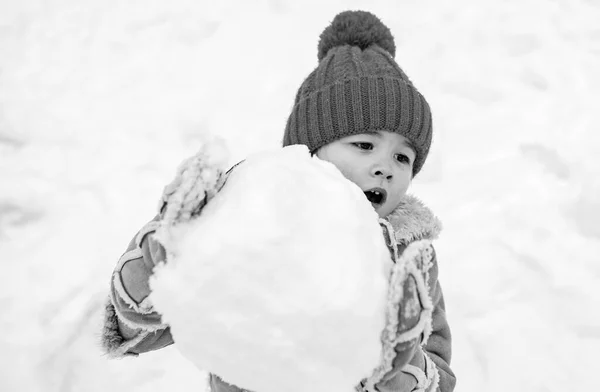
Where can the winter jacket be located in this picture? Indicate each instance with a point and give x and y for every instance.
(132, 326)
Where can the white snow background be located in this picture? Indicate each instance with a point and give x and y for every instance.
(101, 100)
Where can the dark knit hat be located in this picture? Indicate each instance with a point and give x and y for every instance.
(358, 88)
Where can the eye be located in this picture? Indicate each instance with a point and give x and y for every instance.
(402, 158)
(363, 145)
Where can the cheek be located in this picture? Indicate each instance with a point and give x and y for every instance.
(341, 163)
(349, 172)
(405, 179)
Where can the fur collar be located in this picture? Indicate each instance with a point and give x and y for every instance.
(413, 221)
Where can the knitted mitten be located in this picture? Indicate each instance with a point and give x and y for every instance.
(198, 180)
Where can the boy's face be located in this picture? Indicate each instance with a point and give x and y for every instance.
(380, 163)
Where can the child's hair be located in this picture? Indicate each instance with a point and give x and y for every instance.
(358, 88)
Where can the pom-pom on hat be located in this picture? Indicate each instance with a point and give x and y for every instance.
(357, 88)
(356, 28)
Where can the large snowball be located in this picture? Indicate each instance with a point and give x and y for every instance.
(280, 284)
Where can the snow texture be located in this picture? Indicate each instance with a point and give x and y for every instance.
(281, 282)
(101, 99)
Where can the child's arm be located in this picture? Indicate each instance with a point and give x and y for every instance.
(131, 326)
(428, 369)
(439, 344)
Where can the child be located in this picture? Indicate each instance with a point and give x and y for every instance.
(359, 111)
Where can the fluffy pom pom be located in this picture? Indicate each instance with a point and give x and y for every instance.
(357, 28)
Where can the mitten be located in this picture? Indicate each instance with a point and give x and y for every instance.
(419, 375)
(198, 180)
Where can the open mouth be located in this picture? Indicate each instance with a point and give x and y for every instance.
(376, 196)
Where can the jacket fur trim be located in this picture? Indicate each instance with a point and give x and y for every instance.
(413, 221)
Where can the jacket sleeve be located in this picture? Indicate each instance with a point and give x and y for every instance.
(426, 368)
(439, 345)
(131, 326)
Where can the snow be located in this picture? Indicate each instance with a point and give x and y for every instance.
(276, 287)
(100, 100)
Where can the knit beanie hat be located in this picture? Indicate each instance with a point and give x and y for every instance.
(358, 88)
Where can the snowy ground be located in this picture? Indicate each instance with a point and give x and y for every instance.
(100, 100)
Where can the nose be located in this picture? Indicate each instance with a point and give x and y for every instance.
(382, 171)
